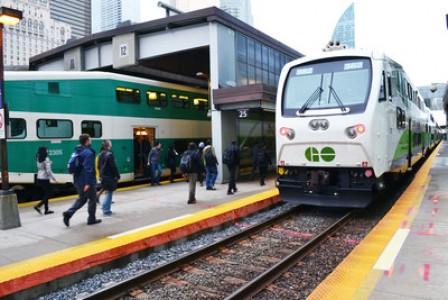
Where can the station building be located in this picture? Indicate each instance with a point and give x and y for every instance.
(207, 48)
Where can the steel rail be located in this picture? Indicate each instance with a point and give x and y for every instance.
(122, 288)
(260, 282)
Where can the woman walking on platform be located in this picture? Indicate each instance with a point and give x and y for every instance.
(44, 175)
(109, 175)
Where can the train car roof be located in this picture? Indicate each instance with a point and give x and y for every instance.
(74, 75)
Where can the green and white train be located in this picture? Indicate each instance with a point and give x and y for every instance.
(348, 121)
(53, 108)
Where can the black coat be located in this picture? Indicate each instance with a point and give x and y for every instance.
(171, 158)
(263, 158)
(196, 165)
(108, 170)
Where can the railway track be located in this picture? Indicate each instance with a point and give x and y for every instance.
(234, 268)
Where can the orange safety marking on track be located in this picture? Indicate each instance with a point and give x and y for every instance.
(355, 277)
(35, 271)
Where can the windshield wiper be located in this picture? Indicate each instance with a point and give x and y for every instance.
(310, 101)
(338, 100)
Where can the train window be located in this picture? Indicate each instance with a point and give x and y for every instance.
(156, 99)
(127, 95)
(200, 103)
(92, 128)
(180, 101)
(53, 128)
(53, 88)
(17, 128)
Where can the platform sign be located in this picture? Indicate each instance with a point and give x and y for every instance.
(243, 113)
(2, 124)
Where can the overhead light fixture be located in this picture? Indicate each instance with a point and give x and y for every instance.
(10, 16)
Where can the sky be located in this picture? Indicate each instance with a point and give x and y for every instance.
(412, 32)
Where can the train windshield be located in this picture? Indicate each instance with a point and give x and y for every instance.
(341, 84)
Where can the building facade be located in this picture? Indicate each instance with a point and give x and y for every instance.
(76, 13)
(240, 9)
(109, 14)
(344, 30)
(34, 34)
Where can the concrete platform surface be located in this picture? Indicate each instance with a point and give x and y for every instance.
(133, 209)
(405, 255)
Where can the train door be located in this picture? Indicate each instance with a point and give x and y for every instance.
(144, 138)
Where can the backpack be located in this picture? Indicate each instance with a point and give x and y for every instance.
(229, 156)
(186, 162)
(74, 165)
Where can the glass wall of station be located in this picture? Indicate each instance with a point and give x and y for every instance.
(256, 129)
(244, 60)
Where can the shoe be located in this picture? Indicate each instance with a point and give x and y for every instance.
(191, 202)
(108, 214)
(262, 184)
(97, 221)
(229, 193)
(235, 190)
(38, 209)
(49, 212)
(66, 219)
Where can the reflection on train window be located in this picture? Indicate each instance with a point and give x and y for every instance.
(53, 87)
(92, 128)
(180, 101)
(17, 128)
(200, 103)
(52, 128)
(127, 95)
(156, 99)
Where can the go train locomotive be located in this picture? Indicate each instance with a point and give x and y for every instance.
(53, 108)
(348, 123)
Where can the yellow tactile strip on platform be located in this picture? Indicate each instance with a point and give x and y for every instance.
(32, 271)
(355, 278)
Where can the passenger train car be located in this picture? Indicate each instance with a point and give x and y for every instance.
(53, 108)
(348, 121)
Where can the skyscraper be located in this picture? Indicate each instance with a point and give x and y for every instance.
(344, 31)
(34, 34)
(240, 9)
(109, 14)
(76, 13)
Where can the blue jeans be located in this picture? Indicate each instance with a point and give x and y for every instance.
(107, 202)
(211, 175)
(156, 172)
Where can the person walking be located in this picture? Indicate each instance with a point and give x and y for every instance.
(190, 166)
(154, 164)
(232, 160)
(201, 172)
(171, 162)
(82, 166)
(263, 161)
(109, 175)
(211, 166)
(44, 175)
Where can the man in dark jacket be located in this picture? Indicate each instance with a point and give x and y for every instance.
(84, 180)
(263, 161)
(154, 163)
(109, 175)
(211, 166)
(192, 173)
(254, 154)
(232, 160)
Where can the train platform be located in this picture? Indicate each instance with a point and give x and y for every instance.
(405, 256)
(44, 250)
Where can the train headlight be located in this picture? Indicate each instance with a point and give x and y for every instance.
(353, 131)
(324, 124)
(314, 124)
(288, 132)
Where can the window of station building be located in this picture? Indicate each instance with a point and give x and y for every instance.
(127, 95)
(53, 128)
(200, 104)
(180, 101)
(92, 128)
(157, 99)
(17, 128)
